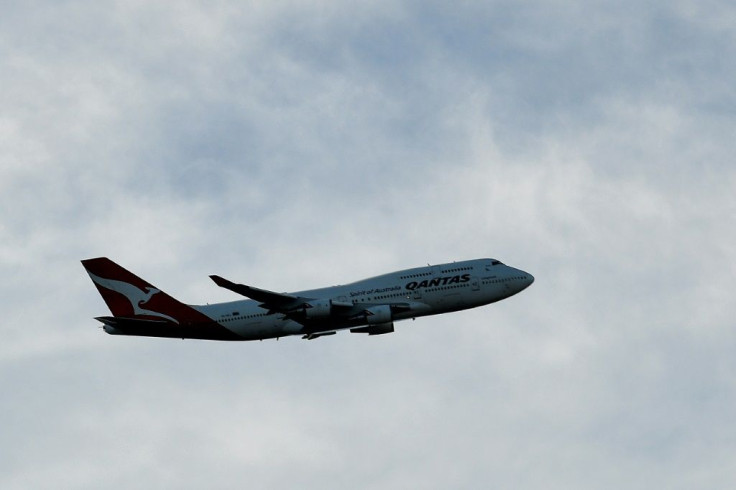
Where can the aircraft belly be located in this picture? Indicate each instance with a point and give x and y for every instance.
(269, 330)
(455, 301)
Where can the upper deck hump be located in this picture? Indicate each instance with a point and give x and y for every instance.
(399, 277)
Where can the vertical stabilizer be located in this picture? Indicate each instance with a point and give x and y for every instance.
(127, 295)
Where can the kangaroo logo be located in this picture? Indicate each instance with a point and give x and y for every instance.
(137, 297)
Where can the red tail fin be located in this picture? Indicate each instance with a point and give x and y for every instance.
(127, 295)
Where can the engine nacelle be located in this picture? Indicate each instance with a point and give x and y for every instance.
(378, 329)
(318, 309)
(378, 314)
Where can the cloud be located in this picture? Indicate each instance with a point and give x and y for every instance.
(293, 145)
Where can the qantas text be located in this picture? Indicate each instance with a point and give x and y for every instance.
(438, 281)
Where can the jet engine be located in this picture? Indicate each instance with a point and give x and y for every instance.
(377, 329)
(317, 309)
(378, 314)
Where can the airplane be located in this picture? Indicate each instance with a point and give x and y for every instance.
(369, 306)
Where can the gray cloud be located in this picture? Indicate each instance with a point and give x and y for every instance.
(297, 145)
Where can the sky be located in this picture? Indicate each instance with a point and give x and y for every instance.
(292, 145)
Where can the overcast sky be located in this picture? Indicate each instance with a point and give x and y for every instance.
(292, 145)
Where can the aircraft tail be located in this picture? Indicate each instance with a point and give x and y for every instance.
(129, 296)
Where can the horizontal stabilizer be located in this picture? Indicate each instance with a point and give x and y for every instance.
(122, 322)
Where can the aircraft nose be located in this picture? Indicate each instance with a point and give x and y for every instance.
(530, 279)
(526, 279)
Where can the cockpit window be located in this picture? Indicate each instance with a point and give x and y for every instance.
(496, 262)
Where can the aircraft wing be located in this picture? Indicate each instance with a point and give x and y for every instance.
(275, 301)
(322, 316)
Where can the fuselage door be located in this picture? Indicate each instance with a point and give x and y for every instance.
(475, 283)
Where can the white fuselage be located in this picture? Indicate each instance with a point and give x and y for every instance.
(421, 291)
